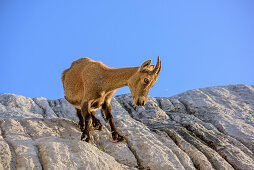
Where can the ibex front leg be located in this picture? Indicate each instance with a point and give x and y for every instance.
(106, 107)
(96, 122)
(88, 120)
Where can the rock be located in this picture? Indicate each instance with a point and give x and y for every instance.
(5, 153)
(198, 158)
(230, 109)
(16, 106)
(149, 151)
(209, 128)
(26, 153)
(44, 105)
(62, 108)
(51, 144)
(120, 151)
(181, 155)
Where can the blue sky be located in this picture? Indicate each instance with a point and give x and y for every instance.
(201, 43)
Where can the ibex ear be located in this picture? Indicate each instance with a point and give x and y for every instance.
(150, 68)
(145, 66)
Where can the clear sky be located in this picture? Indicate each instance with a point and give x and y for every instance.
(201, 43)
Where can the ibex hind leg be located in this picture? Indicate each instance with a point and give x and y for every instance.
(81, 119)
(88, 120)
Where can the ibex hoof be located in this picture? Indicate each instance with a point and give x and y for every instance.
(85, 137)
(97, 125)
(100, 128)
(117, 137)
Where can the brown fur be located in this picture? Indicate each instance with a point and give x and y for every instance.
(89, 84)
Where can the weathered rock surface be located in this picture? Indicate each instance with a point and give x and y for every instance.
(209, 128)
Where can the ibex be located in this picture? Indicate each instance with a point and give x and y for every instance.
(89, 85)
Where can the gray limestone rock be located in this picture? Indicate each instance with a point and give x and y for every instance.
(16, 106)
(209, 128)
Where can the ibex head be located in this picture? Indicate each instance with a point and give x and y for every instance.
(141, 82)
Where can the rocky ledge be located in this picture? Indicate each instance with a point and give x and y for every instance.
(209, 128)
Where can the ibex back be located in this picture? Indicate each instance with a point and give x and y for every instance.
(89, 85)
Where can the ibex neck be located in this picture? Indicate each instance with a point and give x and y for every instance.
(118, 77)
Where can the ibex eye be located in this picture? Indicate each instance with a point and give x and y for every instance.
(146, 81)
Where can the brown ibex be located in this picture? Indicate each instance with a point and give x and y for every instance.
(89, 85)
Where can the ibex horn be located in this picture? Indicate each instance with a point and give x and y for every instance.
(157, 68)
